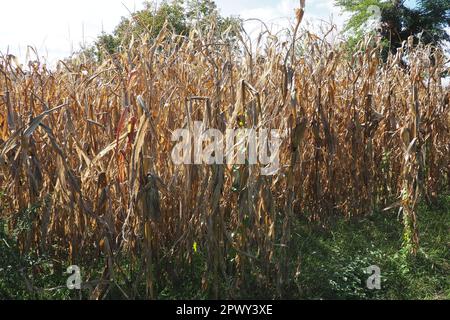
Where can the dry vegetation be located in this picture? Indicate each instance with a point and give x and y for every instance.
(89, 145)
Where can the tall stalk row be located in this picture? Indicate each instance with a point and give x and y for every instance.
(89, 145)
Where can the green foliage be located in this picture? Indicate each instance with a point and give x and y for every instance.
(359, 10)
(151, 20)
(334, 262)
(106, 43)
(331, 263)
(180, 16)
(427, 21)
(24, 273)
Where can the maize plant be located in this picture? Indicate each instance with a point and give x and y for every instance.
(89, 145)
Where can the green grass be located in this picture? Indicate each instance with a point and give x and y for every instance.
(327, 263)
(334, 261)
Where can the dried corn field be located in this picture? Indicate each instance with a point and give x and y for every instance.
(88, 146)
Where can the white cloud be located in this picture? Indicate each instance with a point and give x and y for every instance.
(56, 27)
(281, 14)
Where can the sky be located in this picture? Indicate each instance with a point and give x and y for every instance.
(56, 28)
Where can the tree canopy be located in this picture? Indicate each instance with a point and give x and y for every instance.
(181, 16)
(428, 20)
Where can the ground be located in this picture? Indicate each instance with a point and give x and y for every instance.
(330, 263)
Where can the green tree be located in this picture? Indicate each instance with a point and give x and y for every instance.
(106, 43)
(181, 16)
(151, 20)
(200, 12)
(427, 20)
